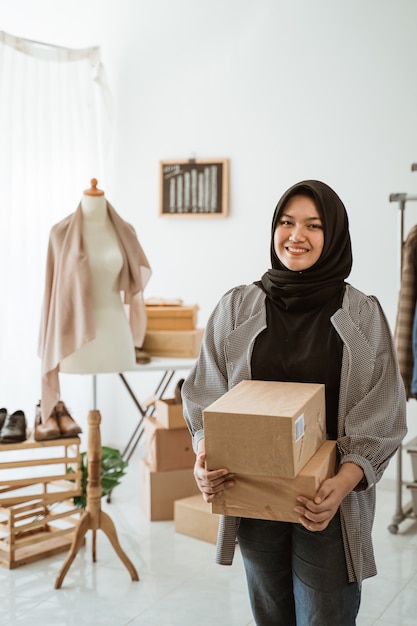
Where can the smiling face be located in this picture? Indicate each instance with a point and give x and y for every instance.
(299, 234)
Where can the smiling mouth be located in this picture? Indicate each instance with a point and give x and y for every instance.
(296, 250)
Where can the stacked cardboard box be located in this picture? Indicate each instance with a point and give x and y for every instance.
(272, 436)
(167, 471)
(193, 517)
(172, 331)
(167, 448)
(161, 489)
(169, 413)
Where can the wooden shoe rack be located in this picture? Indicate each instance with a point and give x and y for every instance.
(37, 483)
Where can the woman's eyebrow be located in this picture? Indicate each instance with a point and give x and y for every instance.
(315, 217)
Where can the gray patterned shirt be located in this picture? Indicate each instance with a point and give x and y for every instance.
(372, 402)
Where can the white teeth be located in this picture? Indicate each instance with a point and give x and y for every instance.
(297, 249)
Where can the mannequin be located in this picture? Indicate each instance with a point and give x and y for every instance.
(93, 312)
(112, 349)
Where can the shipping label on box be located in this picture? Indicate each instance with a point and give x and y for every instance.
(159, 490)
(265, 428)
(169, 414)
(272, 498)
(167, 449)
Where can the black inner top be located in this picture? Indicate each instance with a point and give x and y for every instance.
(303, 349)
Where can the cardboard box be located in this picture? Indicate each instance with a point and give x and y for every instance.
(193, 517)
(167, 449)
(272, 498)
(265, 428)
(169, 414)
(171, 317)
(159, 490)
(173, 343)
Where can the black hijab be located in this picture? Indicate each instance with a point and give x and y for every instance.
(299, 343)
(309, 288)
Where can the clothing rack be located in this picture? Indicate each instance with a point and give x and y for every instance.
(402, 511)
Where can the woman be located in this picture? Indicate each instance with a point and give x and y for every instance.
(303, 323)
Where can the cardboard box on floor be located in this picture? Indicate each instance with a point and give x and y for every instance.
(265, 428)
(193, 517)
(167, 448)
(169, 414)
(272, 498)
(164, 317)
(159, 490)
(173, 343)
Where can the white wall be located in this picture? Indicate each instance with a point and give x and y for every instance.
(287, 90)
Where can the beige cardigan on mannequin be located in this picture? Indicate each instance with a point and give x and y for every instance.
(67, 313)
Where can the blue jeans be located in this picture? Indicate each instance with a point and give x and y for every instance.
(297, 577)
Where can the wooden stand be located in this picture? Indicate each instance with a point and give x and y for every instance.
(37, 485)
(94, 518)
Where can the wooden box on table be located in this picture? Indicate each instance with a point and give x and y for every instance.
(171, 317)
(181, 344)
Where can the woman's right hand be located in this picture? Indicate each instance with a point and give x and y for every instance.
(211, 483)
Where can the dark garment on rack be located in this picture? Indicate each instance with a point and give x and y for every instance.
(407, 301)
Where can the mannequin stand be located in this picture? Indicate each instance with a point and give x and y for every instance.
(94, 518)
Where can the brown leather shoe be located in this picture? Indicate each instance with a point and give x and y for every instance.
(67, 425)
(3, 415)
(49, 429)
(14, 428)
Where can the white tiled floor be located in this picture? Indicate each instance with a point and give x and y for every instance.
(179, 583)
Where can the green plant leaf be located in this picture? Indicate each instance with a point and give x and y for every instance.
(112, 471)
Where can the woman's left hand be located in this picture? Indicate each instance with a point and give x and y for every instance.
(315, 515)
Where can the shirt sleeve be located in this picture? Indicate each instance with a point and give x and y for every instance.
(208, 379)
(375, 419)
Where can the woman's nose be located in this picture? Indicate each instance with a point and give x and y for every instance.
(296, 234)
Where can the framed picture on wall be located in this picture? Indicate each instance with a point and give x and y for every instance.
(194, 187)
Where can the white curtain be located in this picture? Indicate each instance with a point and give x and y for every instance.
(55, 113)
